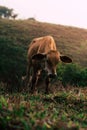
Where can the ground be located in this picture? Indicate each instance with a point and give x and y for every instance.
(62, 109)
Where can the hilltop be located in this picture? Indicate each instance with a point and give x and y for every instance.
(71, 41)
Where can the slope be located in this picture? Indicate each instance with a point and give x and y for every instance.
(71, 41)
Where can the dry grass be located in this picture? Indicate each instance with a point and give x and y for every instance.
(71, 41)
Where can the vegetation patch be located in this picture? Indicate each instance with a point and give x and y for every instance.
(62, 110)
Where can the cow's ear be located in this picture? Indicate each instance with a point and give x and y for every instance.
(39, 56)
(65, 59)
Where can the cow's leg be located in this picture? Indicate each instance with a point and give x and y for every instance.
(47, 85)
(34, 81)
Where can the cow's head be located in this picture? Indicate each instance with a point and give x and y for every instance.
(49, 61)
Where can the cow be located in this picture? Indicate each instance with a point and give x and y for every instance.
(43, 55)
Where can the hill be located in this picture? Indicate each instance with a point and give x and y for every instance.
(71, 41)
(65, 107)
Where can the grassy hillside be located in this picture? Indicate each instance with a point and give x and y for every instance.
(62, 109)
(70, 40)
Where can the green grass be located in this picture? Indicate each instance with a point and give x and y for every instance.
(64, 110)
(71, 41)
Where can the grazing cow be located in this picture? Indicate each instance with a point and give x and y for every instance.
(43, 55)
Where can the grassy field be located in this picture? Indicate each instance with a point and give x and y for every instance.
(64, 110)
(71, 41)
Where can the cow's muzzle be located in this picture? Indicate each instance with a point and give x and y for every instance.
(52, 75)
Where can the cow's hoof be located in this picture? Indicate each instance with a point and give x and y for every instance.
(33, 92)
(46, 92)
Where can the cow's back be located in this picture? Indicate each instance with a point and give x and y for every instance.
(41, 45)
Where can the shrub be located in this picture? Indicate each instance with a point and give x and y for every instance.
(72, 74)
(12, 62)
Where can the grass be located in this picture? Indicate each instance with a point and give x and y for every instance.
(71, 41)
(64, 110)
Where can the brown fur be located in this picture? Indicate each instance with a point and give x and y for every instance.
(41, 45)
(42, 54)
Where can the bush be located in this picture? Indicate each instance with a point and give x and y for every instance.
(72, 74)
(12, 62)
(83, 81)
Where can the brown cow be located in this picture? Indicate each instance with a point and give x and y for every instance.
(43, 55)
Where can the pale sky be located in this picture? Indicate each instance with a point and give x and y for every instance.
(64, 12)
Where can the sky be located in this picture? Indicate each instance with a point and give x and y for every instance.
(63, 12)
